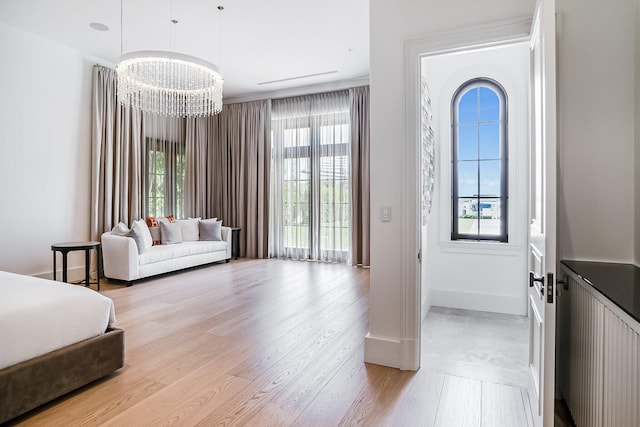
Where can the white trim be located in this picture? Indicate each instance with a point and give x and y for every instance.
(474, 37)
(382, 351)
(480, 248)
(498, 33)
(495, 303)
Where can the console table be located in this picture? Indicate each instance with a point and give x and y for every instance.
(599, 342)
(67, 247)
(235, 241)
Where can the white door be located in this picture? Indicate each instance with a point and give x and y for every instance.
(542, 232)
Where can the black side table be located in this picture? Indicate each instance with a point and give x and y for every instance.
(235, 241)
(67, 247)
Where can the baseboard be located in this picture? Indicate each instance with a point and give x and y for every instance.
(382, 351)
(409, 355)
(496, 303)
(74, 274)
(403, 354)
(426, 303)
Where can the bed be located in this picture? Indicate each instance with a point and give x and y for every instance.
(54, 338)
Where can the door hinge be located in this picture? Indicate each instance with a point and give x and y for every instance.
(550, 284)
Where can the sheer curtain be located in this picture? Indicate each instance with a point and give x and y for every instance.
(310, 179)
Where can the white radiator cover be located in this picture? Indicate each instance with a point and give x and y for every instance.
(621, 406)
(603, 388)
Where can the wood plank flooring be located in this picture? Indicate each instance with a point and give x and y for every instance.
(266, 343)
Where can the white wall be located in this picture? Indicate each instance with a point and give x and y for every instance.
(486, 276)
(391, 23)
(596, 107)
(45, 151)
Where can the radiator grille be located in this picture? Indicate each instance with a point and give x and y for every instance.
(622, 373)
(604, 364)
(586, 358)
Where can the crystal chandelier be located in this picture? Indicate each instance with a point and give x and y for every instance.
(169, 83)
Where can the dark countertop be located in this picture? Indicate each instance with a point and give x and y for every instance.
(620, 283)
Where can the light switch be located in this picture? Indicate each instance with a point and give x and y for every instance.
(385, 214)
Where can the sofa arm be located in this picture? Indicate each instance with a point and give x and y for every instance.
(226, 236)
(119, 257)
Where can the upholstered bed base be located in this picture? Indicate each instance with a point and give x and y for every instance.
(30, 384)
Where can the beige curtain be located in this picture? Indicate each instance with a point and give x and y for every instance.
(116, 178)
(360, 176)
(228, 158)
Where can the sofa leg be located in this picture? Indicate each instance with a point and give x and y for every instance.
(227, 260)
(129, 284)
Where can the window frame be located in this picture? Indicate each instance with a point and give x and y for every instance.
(499, 90)
(171, 200)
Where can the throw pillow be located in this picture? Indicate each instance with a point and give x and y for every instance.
(121, 229)
(210, 229)
(144, 230)
(137, 237)
(154, 227)
(170, 232)
(189, 228)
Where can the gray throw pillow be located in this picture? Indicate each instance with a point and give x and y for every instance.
(136, 234)
(210, 229)
(170, 233)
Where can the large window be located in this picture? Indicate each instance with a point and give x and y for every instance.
(310, 208)
(165, 172)
(479, 162)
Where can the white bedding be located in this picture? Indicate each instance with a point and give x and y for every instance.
(39, 315)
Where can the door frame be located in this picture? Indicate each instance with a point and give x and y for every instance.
(494, 34)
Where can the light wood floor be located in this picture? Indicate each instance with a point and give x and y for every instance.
(266, 343)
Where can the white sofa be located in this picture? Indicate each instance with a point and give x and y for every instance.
(122, 262)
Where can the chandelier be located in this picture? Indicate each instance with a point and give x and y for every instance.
(169, 83)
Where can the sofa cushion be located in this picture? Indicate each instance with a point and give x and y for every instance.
(144, 230)
(165, 252)
(190, 230)
(170, 233)
(210, 229)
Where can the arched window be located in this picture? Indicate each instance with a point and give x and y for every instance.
(479, 162)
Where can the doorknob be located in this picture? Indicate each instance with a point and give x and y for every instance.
(533, 279)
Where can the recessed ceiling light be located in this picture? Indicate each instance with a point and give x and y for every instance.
(98, 26)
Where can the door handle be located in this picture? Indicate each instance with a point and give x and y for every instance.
(534, 280)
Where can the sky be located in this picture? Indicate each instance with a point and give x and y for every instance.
(479, 143)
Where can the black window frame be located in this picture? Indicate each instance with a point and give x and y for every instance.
(503, 237)
(171, 191)
(315, 151)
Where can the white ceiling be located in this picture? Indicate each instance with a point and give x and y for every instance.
(262, 41)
